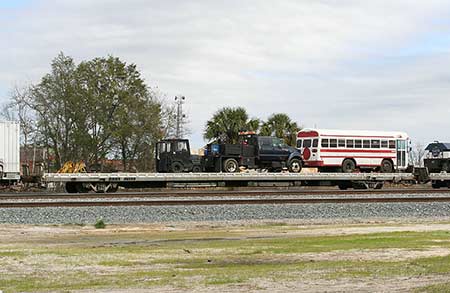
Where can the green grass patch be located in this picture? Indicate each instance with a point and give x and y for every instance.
(186, 260)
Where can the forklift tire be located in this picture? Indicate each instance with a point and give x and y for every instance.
(176, 167)
(230, 166)
(196, 169)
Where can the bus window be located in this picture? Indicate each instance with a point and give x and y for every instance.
(358, 143)
(333, 143)
(392, 144)
(384, 144)
(350, 143)
(341, 143)
(315, 142)
(324, 142)
(375, 144)
(366, 144)
(299, 143)
(307, 143)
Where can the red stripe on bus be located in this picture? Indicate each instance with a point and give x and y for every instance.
(358, 157)
(355, 151)
(362, 136)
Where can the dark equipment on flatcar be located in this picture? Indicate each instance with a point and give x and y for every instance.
(174, 156)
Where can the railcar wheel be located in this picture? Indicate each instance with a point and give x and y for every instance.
(230, 166)
(295, 166)
(176, 167)
(348, 166)
(436, 184)
(113, 188)
(71, 187)
(387, 166)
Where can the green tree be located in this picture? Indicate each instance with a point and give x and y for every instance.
(96, 110)
(120, 112)
(280, 125)
(227, 122)
(53, 101)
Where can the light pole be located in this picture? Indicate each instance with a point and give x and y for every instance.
(180, 116)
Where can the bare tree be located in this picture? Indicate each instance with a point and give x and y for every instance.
(417, 154)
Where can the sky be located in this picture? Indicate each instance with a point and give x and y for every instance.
(348, 64)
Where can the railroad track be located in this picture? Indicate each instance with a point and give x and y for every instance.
(217, 193)
(190, 202)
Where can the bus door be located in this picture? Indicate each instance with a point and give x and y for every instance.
(401, 154)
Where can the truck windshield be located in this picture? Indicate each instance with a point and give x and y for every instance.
(278, 142)
(181, 146)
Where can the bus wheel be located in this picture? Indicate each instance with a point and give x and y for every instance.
(230, 166)
(295, 166)
(348, 166)
(176, 167)
(386, 166)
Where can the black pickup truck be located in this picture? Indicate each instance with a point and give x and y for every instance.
(252, 152)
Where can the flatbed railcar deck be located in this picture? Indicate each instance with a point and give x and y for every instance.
(109, 182)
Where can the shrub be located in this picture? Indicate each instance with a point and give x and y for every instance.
(100, 224)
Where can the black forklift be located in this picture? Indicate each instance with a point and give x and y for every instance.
(174, 156)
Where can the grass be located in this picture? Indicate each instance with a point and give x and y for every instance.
(185, 259)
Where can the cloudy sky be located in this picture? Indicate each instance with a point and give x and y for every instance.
(332, 64)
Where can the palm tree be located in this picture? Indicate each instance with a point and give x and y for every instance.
(226, 124)
(280, 125)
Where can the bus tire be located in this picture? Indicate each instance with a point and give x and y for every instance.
(176, 167)
(348, 166)
(387, 166)
(230, 166)
(295, 166)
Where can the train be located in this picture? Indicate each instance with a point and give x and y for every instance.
(364, 155)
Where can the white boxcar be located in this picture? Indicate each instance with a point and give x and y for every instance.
(9, 151)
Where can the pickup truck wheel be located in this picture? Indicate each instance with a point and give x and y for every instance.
(176, 167)
(230, 166)
(295, 166)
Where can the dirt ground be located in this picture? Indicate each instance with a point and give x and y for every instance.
(10, 235)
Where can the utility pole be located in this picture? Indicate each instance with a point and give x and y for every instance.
(180, 116)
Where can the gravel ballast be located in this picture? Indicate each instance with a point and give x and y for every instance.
(152, 214)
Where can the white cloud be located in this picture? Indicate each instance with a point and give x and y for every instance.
(330, 63)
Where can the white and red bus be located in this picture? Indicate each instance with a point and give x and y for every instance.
(350, 150)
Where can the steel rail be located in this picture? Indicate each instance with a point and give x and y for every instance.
(225, 202)
(223, 193)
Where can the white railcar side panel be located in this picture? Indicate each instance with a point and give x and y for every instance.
(10, 148)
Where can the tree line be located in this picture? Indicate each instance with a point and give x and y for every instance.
(103, 109)
(227, 122)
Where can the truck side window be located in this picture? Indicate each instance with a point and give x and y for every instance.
(324, 142)
(315, 142)
(276, 142)
(265, 143)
